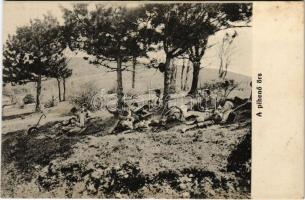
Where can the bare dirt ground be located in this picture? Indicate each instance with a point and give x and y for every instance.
(212, 162)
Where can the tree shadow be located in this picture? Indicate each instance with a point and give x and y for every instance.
(22, 116)
(29, 151)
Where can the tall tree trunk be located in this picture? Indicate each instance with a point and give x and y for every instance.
(59, 89)
(181, 78)
(167, 79)
(120, 92)
(38, 92)
(134, 62)
(196, 70)
(64, 87)
(186, 75)
(173, 78)
(220, 70)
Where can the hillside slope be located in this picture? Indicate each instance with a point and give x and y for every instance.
(84, 73)
(212, 162)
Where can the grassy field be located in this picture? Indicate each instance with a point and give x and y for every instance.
(212, 162)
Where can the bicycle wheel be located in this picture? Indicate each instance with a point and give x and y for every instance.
(32, 130)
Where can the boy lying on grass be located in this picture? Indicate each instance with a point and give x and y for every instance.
(78, 122)
(134, 117)
(204, 119)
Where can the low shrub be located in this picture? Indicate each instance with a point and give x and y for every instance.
(239, 161)
(29, 98)
(222, 87)
(84, 96)
(51, 103)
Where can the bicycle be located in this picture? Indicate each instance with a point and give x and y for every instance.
(34, 129)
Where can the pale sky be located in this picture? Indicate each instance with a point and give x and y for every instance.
(19, 13)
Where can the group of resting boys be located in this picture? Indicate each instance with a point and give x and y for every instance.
(208, 115)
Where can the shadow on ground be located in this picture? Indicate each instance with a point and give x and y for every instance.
(22, 116)
(85, 165)
(28, 152)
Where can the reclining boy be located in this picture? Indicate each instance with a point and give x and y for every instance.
(204, 119)
(78, 122)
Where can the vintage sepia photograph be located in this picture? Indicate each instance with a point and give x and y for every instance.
(126, 100)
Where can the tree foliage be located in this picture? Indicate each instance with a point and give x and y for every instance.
(106, 34)
(28, 54)
(178, 28)
(215, 17)
(113, 36)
